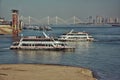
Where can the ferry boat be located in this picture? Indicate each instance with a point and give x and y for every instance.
(76, 36)
(40, 43)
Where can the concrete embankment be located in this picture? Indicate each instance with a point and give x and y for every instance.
(5, 29)
(43, 72)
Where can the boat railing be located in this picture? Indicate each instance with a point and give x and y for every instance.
(45, 35)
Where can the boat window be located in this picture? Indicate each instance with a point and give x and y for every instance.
(15, 44)
(77, 34)
(50, 45)
(37, 39)
(39, 44)
(63, 44)
(77, 37)
(25, 44)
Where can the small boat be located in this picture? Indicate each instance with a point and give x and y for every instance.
(46, 28)
(116, 25)
(76, 36)
(40, 43)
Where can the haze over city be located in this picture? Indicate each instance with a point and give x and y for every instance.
(61, 8)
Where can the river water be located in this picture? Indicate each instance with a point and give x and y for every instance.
(101, 56)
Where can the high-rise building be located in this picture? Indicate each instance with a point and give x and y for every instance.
(116, 20)
(15, 22)
(90, 19)
(99, 19)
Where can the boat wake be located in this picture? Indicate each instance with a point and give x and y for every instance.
(5, 48)
(107, 38)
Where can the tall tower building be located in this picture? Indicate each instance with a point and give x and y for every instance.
(15, 22)
(111, 20)
(96, 20)
(116, 20)
(90, 19)
(100, 19)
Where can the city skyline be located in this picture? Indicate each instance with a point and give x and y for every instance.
(62, 8)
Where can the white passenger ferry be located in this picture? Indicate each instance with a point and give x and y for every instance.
(40, 43)
(76, 36)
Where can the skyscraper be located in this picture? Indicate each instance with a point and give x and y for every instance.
(116, 20)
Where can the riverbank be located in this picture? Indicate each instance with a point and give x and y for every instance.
(5, 29)
(43, 72)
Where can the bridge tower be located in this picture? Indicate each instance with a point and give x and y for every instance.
(15, 22)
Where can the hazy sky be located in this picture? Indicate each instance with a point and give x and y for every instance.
(62, 8)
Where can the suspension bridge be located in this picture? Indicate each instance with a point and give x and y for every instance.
(51, 20)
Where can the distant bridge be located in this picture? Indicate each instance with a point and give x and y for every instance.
(50, 20)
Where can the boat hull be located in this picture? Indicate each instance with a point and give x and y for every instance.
(40, 48)
(75, 40)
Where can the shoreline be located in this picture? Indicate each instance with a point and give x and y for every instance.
(44, 72)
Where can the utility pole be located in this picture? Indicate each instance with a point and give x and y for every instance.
(56, 18)
(48, 20)
(29, 20)
(74, 20)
